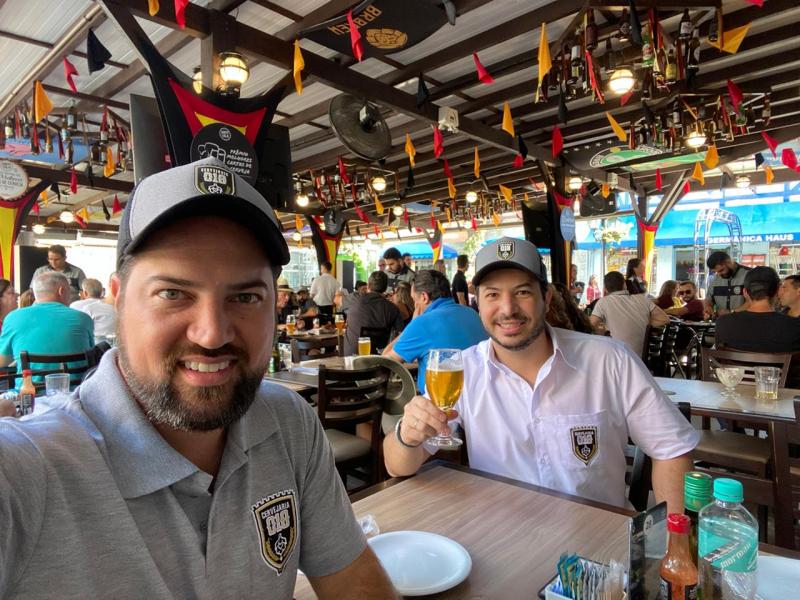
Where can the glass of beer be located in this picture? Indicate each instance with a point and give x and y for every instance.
(444, 378)
(338, 320)
(364, 346)
(291, 324)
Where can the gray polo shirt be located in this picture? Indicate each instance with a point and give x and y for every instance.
(95, 504)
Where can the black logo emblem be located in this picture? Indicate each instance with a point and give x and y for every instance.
(214, 180)
(584, 443)
(276, 521)
(505, 250)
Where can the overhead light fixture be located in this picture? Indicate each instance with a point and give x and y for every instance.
(398, 211)
(622, 81)
(197, 80)
(696, 138)
(472, 196)
(301, 200)
(742, 181)
(38, 229)
(575, 184)
(66, 216)
(233, 71)
(297, 236)
(378, 184)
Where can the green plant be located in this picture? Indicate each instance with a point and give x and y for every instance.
(473, 243)
(361, 269)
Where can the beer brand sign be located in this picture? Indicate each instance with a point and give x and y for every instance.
(13, 180)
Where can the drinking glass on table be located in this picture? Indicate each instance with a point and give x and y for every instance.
(364, 346)
(338, 320)
(730, 377)
(291, 324)
(444, 378)
(767, 379)
(56, 383)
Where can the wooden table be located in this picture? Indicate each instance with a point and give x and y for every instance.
(707, 400)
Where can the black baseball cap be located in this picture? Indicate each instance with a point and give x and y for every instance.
(762, 280)
(509, 253)
(203, 188)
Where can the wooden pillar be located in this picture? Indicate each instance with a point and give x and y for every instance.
(221, 39)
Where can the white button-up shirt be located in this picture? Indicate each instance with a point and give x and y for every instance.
(570, 430)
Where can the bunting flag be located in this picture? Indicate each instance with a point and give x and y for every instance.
(56, 190)
(623, 100)
(508, 122)
(557, 141)
(649, 116)
(697, 174)
(561, 200)
(623, 137)
(153, 7)
(771, 142)
(686, 187)
(632, 137)
(438, 142)
(496, 219)
(84, 214)
(518, 161)
(507, 193)
(108, 170)
(758, 3)
(35, 208)
(423, 95)
(80, 221)
(476, 168)
(759, 159)
(562, 110)
(73, 181)
(116, 208)
(446, 168)
(405, 215)
(768, 174)
(41, 103)
(34, 139)
(729, 41)
(12, 217)
(378, 205)
(483, 74)
(545, 64)
(362, 215)
(69, 72)
(410, 150)
(788, 158)
(735, 95)
(522, 147)
(593, 79)
(659, 183)
(106, 214)
(636, 25)
(451, 188)
(474, 224)
(409, 182)
(297, 68)
(298, 222)
(712, 157)
(433, 220)
(180, 13)
(60, 145)
(355, 37)
(343, 172)
(605, 190)
(96, 53)
(648, 237)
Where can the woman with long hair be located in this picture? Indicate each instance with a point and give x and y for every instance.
(634, 277)
(9, 299)
(566, 311)
(593, 291)
(668, 296)
(403, 301)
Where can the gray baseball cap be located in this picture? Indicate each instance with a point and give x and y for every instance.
(509, 253)
(205, 187)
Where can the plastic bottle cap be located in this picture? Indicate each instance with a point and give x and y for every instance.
(696, 490)
(677, 523)
(27, 372)
(728, 490)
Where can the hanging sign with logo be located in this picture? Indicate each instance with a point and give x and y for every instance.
(13, 180)
(227, 144)
(567, 224)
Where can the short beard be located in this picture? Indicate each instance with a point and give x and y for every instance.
(538, 329)
(211, 407)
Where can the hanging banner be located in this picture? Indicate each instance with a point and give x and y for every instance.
(13, 212)
(328, 236)
(648, 236)
(435, 240)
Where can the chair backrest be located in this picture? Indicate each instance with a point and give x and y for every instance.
(379, 337)
(400, 389)
(352, 396)
(749, 360)
(653, 340)
(76, 364)
(301, 348)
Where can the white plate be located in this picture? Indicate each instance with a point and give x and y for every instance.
(421, 563)
(778, 578)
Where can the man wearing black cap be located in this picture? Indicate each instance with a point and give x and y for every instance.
(549, 406)
(759, 328)
(174, 471)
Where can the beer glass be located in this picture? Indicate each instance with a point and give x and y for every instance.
(364, 346)
(767, 380)
(444, 378)
(291, 324)
(338, 320)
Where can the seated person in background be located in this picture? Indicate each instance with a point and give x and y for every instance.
(692, 309)
(667, 298)
(547, 406)
(283, 304)
(101, 309)
(759, 328)
(304, 302)
(576, 288)
(47, 327)
(26, 298)
(343, 300)
(403, 301)
(789, 296)
(576, 318)
(91, 292)
(372, 310)
(439, 322)
(626, 315)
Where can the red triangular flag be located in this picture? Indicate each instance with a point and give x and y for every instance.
(735, 94)
(117, 207)
(73, 181)
(558, 141)
(355, 37)
(771, 142)
(483, 74)
(79, 220)
(438, 142)
(446, 167)
(405, 215)
(474, 224)
(518, 161)
(35, 208)
(69, 72)
(758, 3)
(180, 8)
(343, 172)
(686, 187)
(562, 200)
(625, 97)
(788, 158)
(362, 215)
(433, 221)
(658, 179)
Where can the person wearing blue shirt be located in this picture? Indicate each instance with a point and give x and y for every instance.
(439, 322)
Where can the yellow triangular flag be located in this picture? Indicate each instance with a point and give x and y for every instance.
(477, 167)
(697, 174)
(712, 157)
(43, 196)
(41, 103)
(451, 188)
(525, 195)
(410, 150)
(768, 174)
(108, 170)
(623, 137)
(507, 193)
(297, 69)
(449, 215)
(545, 64)
(605, 190)
(508, 122)
(496, 219)
(378, 205)
(298, 222)
(440, 226)
(153, 7)
(84, 214)
(729, 41)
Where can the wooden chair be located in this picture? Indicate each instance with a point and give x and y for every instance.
(77, 364)
(793, 435)
(345, 398)
(303, 349)
(669, 361)
(400, 389)
(749, 360)
(379, 337)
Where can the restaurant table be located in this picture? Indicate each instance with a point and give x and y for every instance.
(513, 531)
(706, 400)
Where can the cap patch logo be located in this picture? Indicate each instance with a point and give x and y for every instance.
(276, 521)
(214, 180)
(584, 443)
(505, 250)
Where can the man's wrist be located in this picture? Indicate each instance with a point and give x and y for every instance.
(400, 439)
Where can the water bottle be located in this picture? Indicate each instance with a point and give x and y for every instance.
(728, 546)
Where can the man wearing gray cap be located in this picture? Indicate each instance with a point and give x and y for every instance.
(174, 471)
(549, 406)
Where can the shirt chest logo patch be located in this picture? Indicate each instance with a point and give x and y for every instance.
(276, 522)
(584, 443)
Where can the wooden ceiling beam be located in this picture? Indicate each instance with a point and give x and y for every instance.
(42, 44)
(63, 176)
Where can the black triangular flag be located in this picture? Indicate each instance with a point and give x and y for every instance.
(90, 173)
(56, 190)
(725, 181)
(636, 26)
(423, 95)
(450, 9)
(562, 109)
(523, 149)
(649, 117)
(347, 229)
(106, 214)
(759, 159)
(96, 53)
(409, 183)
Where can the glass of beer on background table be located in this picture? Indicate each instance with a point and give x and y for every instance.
(338, 320)
(291, 324)
(444, 378)
(364, 346)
